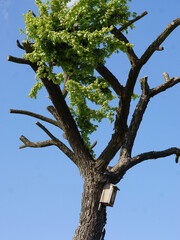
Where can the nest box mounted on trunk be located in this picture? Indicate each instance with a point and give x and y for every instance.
(108, 194)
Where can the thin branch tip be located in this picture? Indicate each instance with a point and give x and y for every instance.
(19, 45)
(93, 145)
(177, 158)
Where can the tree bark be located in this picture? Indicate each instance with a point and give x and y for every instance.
(92, 220)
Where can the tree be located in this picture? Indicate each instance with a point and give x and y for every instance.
(78, 40)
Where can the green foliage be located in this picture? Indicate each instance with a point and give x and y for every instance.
(77, 39)
(98, 93)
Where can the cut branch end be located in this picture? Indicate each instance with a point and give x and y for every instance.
(166, 77)
(159, 48)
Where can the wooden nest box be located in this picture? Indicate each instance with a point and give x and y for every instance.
(108, 194)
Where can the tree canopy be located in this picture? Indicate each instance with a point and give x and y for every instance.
(75, 40)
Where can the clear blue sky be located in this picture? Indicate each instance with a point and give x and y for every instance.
(40, 189)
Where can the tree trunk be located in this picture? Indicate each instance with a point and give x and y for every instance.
(92, 220)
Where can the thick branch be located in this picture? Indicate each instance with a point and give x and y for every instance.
(35, 115)
(117, 172)
(154, 155)
(123, 164)
(144, 85)
(141, 107)
(18, 60)
(160, 39)
(117, 139)
(110, 78)
(135, 123)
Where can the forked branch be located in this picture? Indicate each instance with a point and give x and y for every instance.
(28, 143)
(58, 143)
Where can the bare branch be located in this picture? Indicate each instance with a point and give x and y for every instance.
(110, 78)
(28, 143)
(126, 25)
(35, 115)
(118, 171)
(160, 39)
(93, 145)
(18, 60)
(135, 122)
(153, 155)
(144, 85)
(53, 111)
(170, 83)
(177, 158)
(130, 52)
(27, 46)
(19, 45)
(118, 34)
(58, 143)
(34, 15)
(48, 143)
(47, 132)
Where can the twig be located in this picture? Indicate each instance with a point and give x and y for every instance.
(93, 145)
(132, 21)
(32, 13)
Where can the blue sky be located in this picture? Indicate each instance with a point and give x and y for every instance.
(40, 189)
